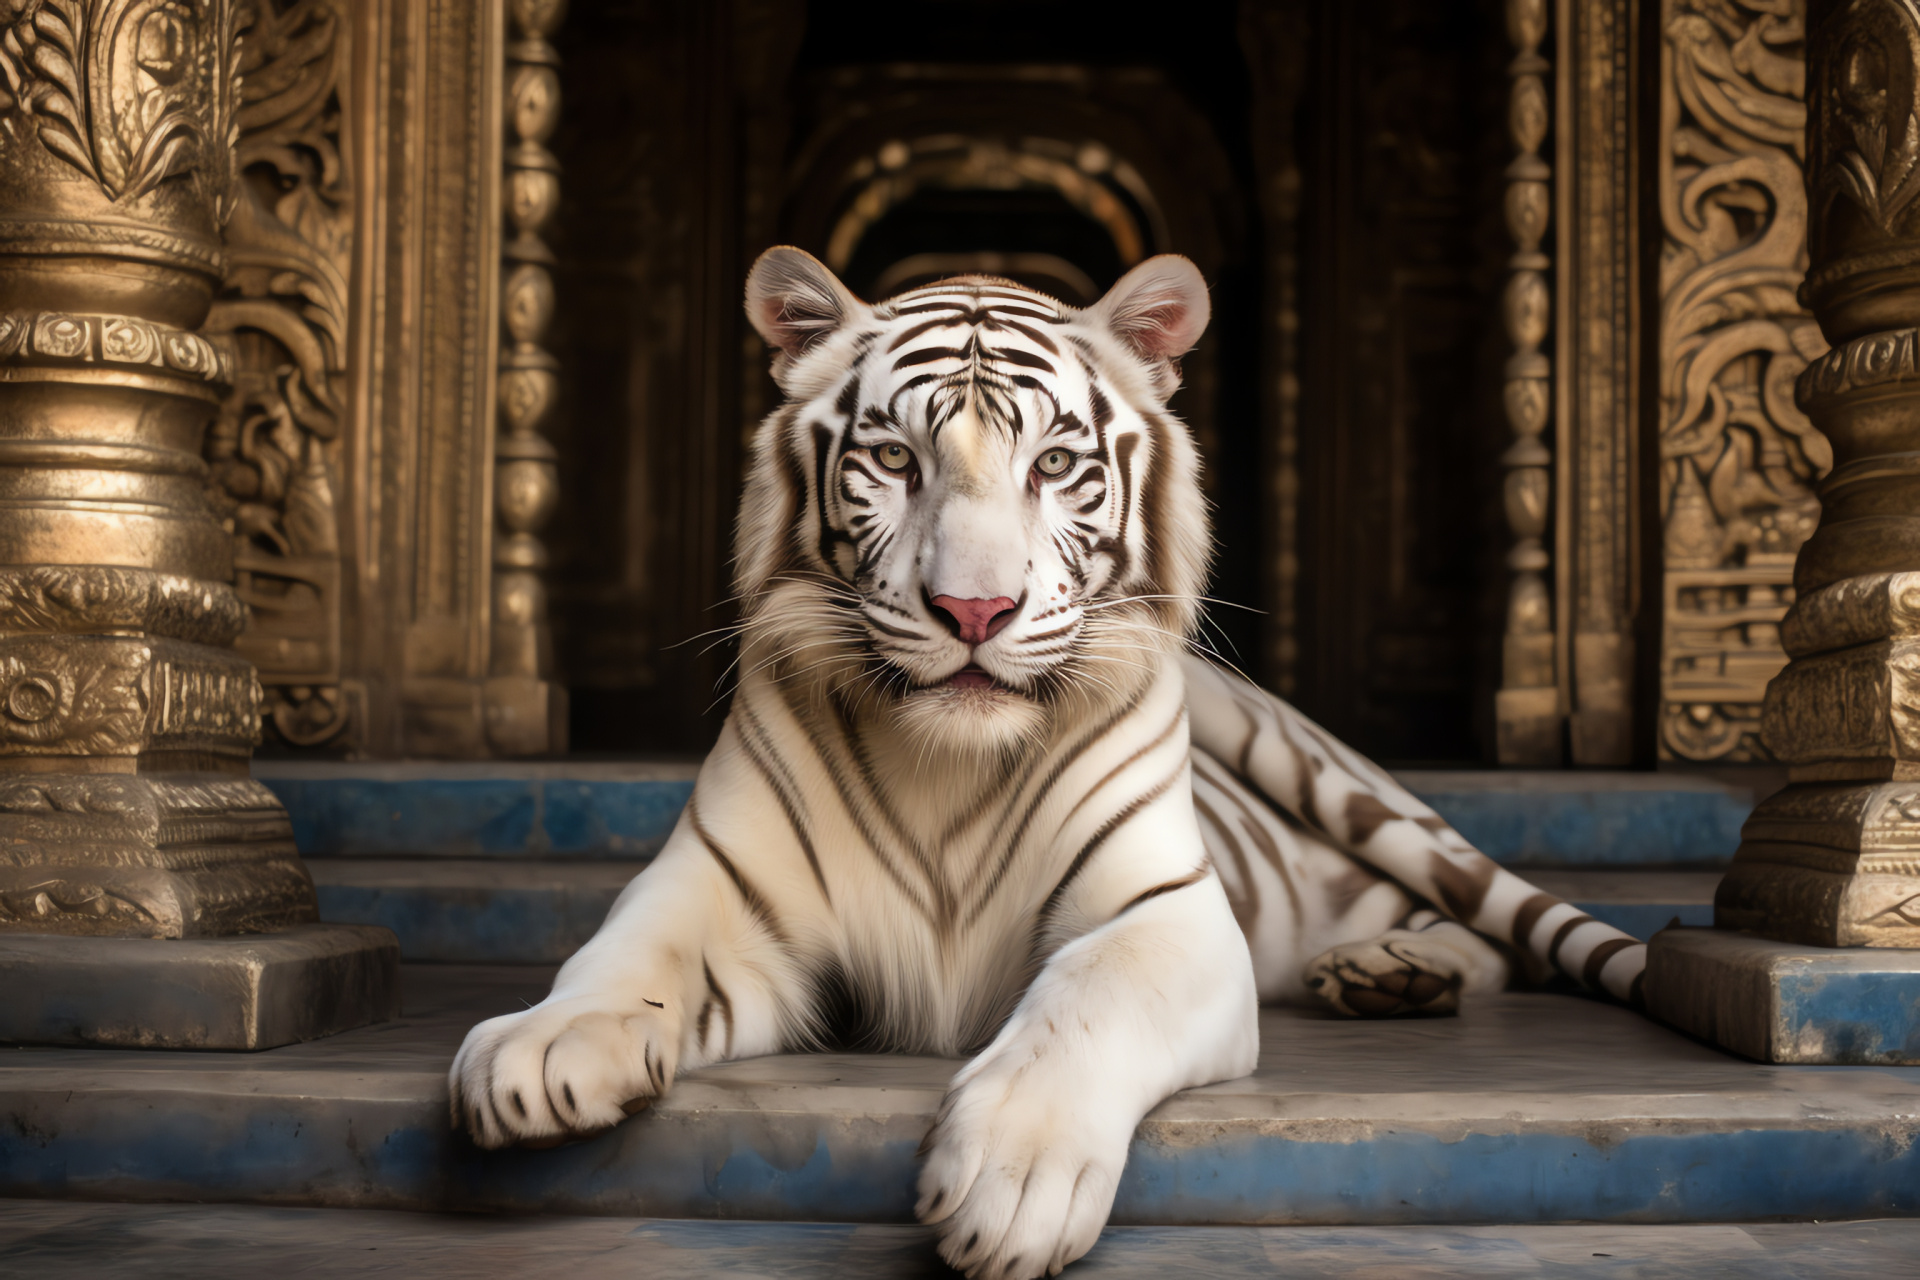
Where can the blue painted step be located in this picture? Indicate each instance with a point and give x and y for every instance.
(539, 911)
(1527, 1108)
(624, 810)
(491, 810)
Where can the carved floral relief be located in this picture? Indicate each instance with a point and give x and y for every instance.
(1738, 459)
(113, 86)
(274, 448)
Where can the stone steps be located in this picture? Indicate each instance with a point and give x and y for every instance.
(138, 1242)
(1532, 1107)
(539, 910)
(624, 809)
(517, 863)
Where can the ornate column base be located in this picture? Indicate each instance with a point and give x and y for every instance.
(1786, 1002)
(1828, 865)
(162, 856)
(1809, 959)
(251, 992)
(1832, 861)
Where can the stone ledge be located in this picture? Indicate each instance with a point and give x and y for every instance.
(254, 991)
(1530, 1108)
(1785, 1002)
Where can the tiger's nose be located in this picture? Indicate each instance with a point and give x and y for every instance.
(974, 621)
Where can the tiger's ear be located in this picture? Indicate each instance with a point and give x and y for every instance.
(1159, 309)
(794, 301)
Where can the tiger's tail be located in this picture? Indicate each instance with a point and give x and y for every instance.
(1303, 769)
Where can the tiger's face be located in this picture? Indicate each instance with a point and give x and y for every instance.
(973, 512)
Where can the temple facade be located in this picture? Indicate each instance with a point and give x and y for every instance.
(1500, 410)
(374, 403)
(430, 395)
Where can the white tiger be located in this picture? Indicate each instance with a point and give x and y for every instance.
(973, 798)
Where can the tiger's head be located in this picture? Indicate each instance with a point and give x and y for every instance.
(973, 513)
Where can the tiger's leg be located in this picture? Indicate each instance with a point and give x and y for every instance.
(689, 968)
(1323, 784)
(1153, 995)
(1321, 924)
(1427, 966)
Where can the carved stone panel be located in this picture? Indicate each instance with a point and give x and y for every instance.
(1738, 459)
(275, 447)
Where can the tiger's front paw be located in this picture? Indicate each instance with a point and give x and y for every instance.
(560, 1070)
(1385, 977)
(1022, 1164)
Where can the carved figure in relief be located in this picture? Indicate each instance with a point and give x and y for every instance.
(973, 797)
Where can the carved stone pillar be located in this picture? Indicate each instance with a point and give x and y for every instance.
(526, 711)
(126, 718)
(1835, 859)
(1528, 706)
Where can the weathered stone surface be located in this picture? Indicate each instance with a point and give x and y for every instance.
(135, 1242)
(1784, 1002)
(1529, 1108)
(255, 991)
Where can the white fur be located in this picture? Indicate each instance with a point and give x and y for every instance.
(1045, 865)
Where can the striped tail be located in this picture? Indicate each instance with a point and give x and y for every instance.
(1306, 771)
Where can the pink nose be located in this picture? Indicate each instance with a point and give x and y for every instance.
(975, 621)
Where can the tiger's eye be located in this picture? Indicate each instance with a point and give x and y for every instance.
(894, 457)
(1054, 462)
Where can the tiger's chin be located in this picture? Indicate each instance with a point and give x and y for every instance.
(971, 713)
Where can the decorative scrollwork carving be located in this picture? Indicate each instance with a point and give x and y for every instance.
(56, 338)
(274, 447)
(117, 695)
(51, 900)
(117, 89)
(1738, 458)
(82, 598)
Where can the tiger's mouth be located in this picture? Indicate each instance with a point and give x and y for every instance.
(972, 676)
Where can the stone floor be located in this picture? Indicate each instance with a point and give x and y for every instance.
(51, 1241)
(1530, 1107)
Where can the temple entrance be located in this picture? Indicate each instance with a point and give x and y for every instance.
(1332, 177)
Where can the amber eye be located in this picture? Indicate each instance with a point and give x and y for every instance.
(1054, 462)
(894, 457)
